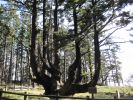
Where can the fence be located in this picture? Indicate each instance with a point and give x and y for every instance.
(55, 97)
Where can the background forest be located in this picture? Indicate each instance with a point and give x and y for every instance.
(63, 45)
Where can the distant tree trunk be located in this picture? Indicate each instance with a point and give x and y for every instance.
(16, 68)
(117, 72)
(113, 77)
(85, 78)
(11, 64)
(6, 70)
(29, 76)
(5, 55)
(21, 66)
(102, 76)
(65, 74)
(44, 29)
(90, 62)
(117, 77)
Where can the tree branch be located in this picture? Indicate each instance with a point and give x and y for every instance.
(110, 34)
(114, 43)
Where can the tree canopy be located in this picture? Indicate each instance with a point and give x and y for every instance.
(63, 45)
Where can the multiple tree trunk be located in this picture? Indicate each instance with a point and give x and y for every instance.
(71, 85)
(50, 48)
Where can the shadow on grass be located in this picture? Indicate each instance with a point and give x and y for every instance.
(4, 98)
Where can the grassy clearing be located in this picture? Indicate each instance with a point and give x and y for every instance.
(113, 89)
(108, 92)
(102, 93)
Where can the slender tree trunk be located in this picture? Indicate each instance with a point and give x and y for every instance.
(16, 69)
(44, 29)
(5, 55)
(11, 65)
(21, 66)
(65, 66)
(6, 70)
(117, 72)
(102, 77)
(90, 63)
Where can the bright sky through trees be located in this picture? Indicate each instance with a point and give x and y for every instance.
(125, 54)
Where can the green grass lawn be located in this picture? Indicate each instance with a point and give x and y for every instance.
(108, 92)
(103, 92)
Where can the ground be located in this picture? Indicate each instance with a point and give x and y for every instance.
(103, 92)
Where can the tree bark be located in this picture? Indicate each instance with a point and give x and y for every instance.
(33, 39)
(77, 48)
(68, 87)
(56, 56)
(49, 83)
(44, 29)
(97, 58)
(11, 65)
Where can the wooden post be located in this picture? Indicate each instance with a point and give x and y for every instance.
(118, 94)
(57, 97)
(92, 95)
(87, 98)
(25, 96)
(92, 90)
(1, 90)
(5, 87)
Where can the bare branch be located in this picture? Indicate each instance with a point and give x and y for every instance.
(114, 43)
(111, 34)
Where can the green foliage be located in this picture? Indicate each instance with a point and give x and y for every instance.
(92, 18)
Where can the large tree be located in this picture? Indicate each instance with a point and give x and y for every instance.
(78, 40)
(100, 14)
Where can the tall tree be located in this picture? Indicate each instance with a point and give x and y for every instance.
(80, 39)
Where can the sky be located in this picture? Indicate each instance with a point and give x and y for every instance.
(125, 54)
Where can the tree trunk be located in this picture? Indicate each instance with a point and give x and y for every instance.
(11, 65)
(90, 62)
(33, 39)
(68, 87)
(44, 29)
(5, 55)
(97, 58)
(16, 68)
(77, 48)
(56, 45)
(49, 83)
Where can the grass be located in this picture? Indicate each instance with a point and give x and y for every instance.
(34, 91)
(108, 92)
(103, 92)
(113, 89)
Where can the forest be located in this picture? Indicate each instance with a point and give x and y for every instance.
(63, 45)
